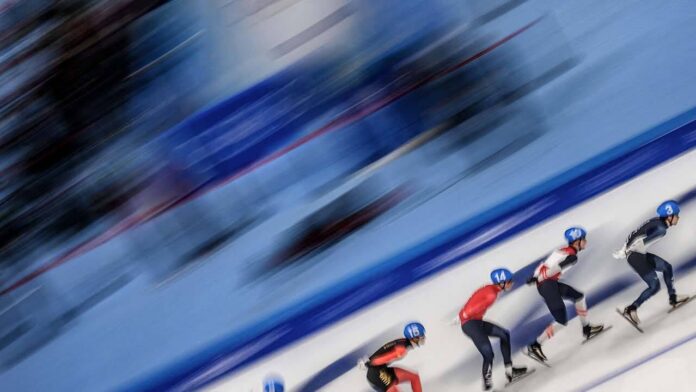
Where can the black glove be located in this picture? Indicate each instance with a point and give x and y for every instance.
(532, 280)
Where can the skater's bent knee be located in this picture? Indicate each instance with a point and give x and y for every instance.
(560, 316)
(655, 286)
(410, 377)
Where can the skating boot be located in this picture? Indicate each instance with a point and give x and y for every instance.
(515, 373)
(591, 331)
(677, 300)
(534, 351)
(488, 380)
(632, 313)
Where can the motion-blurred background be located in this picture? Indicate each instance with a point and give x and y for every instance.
(174, 172)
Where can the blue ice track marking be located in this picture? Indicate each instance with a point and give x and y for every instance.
(638, 363)
(596, 175)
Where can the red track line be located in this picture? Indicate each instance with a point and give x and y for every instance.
(334, 124)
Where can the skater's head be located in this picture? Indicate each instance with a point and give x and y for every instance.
(502, 277)
(273, 384)
(576, 237)
(669, 212)
(415, 333)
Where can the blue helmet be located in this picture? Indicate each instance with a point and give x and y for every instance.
(273, 384)
(501, 275)
(668, 208)
(574, 233)
(414, 330)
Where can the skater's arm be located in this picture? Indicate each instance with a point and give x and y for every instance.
(568, 262)
(651, 232)
(553, 266)
(654, 234)
(397, 352)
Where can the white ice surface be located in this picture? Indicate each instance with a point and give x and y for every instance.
(449, 361)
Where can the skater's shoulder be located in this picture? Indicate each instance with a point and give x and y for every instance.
(395, 344)
(568, 251)
(652, 223)
(486, 290)
(559, 254)
(491, 290)
(656, 222)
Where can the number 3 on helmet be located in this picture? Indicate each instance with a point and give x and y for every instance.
(668, 208)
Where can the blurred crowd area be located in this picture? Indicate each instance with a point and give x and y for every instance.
(120, 111)
(98, 101)
(70, 72)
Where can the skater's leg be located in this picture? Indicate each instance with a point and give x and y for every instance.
(549, 332)
(550, 291)
(504, 336)
(663, 266)
(568, 292)
(403, 376)
(581, 310)
(475, 330)
(653, 288)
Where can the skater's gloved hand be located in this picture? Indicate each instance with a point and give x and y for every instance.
(532, 280)
(620, 254)
(362, 363)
